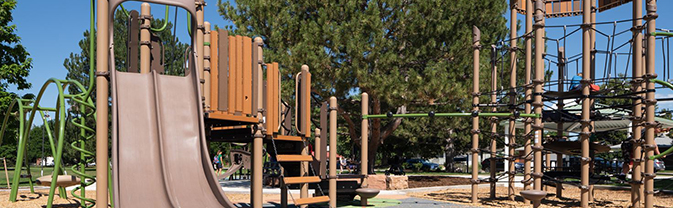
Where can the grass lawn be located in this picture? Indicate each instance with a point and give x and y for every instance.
(35, 172)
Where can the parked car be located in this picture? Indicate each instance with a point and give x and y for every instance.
(659, 165)
(499, 164)
(427, 165)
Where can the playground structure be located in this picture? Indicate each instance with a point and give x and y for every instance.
(643, 83)
(229, 94)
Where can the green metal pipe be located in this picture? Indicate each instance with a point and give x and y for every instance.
(667, 34)
(413, 115)
(669, 85)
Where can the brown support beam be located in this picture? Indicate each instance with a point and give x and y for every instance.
(333, 151)
(512, 98)
(476, 45)
(529, 92)
(102, 86)
(494, 123)
(650, 103)
(560, 105)
(145, 38)
(206, 66)
(637, 86)
(586, 102)
(200, 30)
(537, 98)
(364, 141)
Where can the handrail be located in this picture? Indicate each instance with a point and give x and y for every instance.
(432, 114)
(162, 28)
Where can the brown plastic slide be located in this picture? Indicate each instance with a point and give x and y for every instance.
(159, 155)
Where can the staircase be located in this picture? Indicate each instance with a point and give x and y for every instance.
(297, 169)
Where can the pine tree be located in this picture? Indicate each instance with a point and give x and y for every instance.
(404, 54)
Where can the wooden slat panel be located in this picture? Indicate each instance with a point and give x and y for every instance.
(289, 138)
(214, 70)
(239, 74)
(548, 8)
(231, 94)
(294, 158)
(312, 200)
(276, 97)
(297, 180)
(223, 70)
(247, 75)
(269, 100)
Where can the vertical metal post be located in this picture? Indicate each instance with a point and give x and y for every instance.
(512, 98)
(529, 92)
(102, 43)
(258, 142)
(537, 96)
(206, 66)
(305, 123)
(559, 106)
(364, 142)
(586, 102)
(594, 9)
(200, 28)
(637, 86)
(476, 45)
(650, 103)
(494, 123)
(333, 151)
(145, 15)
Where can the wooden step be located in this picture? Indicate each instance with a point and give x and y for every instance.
(288, 138)
(311, 200)
(294, 158)
(297, 180)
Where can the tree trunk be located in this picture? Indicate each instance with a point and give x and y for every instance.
(449, 153)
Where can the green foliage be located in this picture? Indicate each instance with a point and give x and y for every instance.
(403, 53)
(15, 66)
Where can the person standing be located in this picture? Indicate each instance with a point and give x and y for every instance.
(217, 162)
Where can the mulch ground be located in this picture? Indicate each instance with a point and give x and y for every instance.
(430, 181)
(571, 196)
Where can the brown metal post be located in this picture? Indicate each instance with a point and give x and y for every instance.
(537, 98)
(586, 102)
(512, 97)
(559, 106)
(258, 145)
(529, 92)
(594, 9)
(206, 66)
(305, 123)
(494, 123)
(476, 45)
(145, 38)
(4, 163)
(333, 151)
(102, 86)
(364, 142)
(650, 103)
(637, 86)
(200, 28)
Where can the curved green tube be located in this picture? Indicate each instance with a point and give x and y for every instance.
(162, 28)
(670, 149)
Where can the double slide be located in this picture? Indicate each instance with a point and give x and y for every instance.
(159, 152)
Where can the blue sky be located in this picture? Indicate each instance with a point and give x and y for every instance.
(50, 30)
